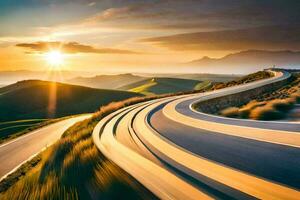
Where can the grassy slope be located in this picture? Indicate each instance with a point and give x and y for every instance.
(31, 99)
(203, 85)
(135, 84)
(73, 168)
(165, 85)
(145, 88)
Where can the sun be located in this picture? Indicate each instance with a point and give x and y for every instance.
(54, 58)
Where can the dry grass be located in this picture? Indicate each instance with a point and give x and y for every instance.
(274, 109)
(282, 105)
(73, 168)
(266, 113)
(244, 112)
(267, 110)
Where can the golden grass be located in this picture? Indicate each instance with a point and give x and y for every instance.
(244, 112)
(266, 110)
(266, 113)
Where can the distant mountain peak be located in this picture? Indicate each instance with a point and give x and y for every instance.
(207, 58)
(203, 59)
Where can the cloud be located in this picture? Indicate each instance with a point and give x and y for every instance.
(71, 48)
(269, 37)
(92, 3)
(201, 14)
(130, 14)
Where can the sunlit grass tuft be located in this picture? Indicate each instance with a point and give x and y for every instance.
(244, 111)
(266, 113)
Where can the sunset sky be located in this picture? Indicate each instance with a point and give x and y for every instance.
(122, 35)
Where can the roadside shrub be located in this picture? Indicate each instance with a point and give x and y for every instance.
(296, 97)
(282, 104)
(264, 110)
(232, 112)
(244, 112)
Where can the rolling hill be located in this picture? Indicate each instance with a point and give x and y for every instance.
(247, 61)
(106, 81)
(10, 77)
(43, 99)
(162, 85)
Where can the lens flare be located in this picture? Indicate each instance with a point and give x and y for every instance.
(54, 58)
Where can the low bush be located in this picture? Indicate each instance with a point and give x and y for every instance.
(232, 112)
(266, 110)
(244, 112)
(296, 96)
(266, 113)
(282, 105)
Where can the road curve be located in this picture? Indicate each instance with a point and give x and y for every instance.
(17, 151)
(180, 153)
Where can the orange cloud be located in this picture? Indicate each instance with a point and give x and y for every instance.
(71, 48)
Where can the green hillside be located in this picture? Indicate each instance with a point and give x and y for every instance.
(42, 99)
(163, 85)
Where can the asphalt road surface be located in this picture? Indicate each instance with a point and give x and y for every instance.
(19, 150)
(180, 153)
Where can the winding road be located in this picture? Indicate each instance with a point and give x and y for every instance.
(16, 152)
(180, 153)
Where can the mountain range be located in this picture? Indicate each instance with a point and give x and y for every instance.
(247, 61)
